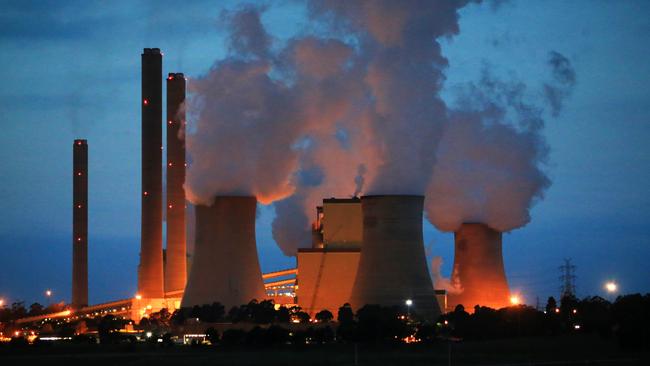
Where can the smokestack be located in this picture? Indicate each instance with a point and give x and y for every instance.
(176, 263)
(80, 224)
(392, 267)
(150, 271)
(478, 268)
(225, 268)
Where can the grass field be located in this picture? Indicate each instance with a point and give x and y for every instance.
(571, 350)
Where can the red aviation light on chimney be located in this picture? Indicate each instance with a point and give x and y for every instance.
(170, 77)
(79, 174)
(145, 101)
(170, 164)
(170, 122)
(145, 193)
(78, 239)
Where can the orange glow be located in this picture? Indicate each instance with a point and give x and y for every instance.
(515, 300)
(138, 297)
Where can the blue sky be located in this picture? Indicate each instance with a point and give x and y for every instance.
(73, 71)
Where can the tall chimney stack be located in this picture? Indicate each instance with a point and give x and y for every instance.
(226, 268)
(150, 271)
(176, 260)
(80, 224)
(392, 266)
(478, 268)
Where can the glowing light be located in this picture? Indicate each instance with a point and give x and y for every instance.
(79, 174)
(446, 322)
(149, 334)
(170, 206)
(170, 164)
(78, 206)
(149, 307)
(170, 122)
(16, 333)
(576, 327)
(78, 142)
(611, 287)
(48, 293)
(557, 310)
(2, 302)
(170, 77)
(515, 300)
(138, 297)
(408, 302)
(145, 193)
(145, 101)
(575, 311)
(78, 239)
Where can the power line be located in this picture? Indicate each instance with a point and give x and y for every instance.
(567, 279)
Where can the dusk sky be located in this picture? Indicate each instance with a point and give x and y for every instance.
(72, 70)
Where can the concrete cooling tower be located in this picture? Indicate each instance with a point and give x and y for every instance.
(392, 266)
(226, 268)
(478, 268)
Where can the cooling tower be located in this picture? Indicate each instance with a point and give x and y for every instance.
(150, 271)
(478, 268)
(80, 224)
(392, 266)
(176, 260)
(225, 268)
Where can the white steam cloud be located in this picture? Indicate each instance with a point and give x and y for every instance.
(355, 108)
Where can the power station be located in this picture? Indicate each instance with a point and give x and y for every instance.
(366, 250)
(79, 224)
(176, 252)
(150, 271)
(226, 268)
(478, 268)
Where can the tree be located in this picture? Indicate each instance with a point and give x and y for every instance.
(212, 335)
(345, 314)
(324, 316)
(551, 305)
(36, 309)
(107, 329)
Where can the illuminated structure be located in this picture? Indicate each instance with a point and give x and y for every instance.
(327, 270)
(79, 224)
(176, 253)
(392, 266)
(150, 270)
(478, 268)
(226, 267)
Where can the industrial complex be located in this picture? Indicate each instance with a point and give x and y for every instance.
(365, 250)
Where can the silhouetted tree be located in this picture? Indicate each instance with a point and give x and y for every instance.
(324, 316)
(212, 335)
(283, 315)
(345, 313)
(36, 309)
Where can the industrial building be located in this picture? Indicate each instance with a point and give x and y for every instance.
(226, 268)
(366, 250)
(150, 271)
(478, 268)
(79, 224)
(176, 249)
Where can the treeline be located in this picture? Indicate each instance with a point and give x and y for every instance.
(627, 319)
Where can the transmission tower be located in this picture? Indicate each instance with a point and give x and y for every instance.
(567, 279)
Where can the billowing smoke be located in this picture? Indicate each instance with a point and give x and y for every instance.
(443, 283)
(244, 122)
(491, 158)
(354, 108)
